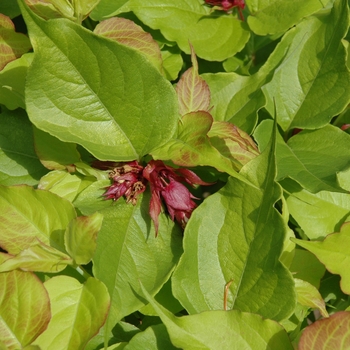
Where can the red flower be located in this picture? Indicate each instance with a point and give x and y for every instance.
(167, 184)
(127, 181)
(227, 5)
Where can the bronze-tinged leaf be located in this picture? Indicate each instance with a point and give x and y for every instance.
(331, 333)
(128, 33)
(192, 90)
(12, 44)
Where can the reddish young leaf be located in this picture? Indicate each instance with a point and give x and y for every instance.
(193, 91)
(128, 33)
(331, 333)
(12, 44)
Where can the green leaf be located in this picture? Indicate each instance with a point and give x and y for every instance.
(236, 98)
(192, 91)
(91, 198)
(153, 338)
(308, 295)
(53, 153)
(326, 211)
(28, 215)
(18, 162)
(213, 38)
(191, 332)
(232, 143)
(276, 16)
(52, 9)
(314, 271)
(13, 45)
(128, 252)
(308, 157)
(12, 79)
(24, 309)
(172, 62)
(333, 252)
(312, 83)
(62, 183)
(78, 312)
(126, 32)
(236, 235)
(192, 146)
(10, 8)
(38, 257)
(330, 333)
(106, 8)
(80, 237)
(121, 107)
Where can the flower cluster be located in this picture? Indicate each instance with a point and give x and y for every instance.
(166, 183)
(127, 181)
(227, 5)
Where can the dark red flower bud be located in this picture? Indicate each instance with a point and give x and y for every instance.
(167, 185)
(127, 181)
(227, 5)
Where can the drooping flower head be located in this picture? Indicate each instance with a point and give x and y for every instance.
(167, 186)
(127, 181)
(228, 5)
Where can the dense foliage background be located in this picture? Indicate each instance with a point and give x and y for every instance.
(174, 174)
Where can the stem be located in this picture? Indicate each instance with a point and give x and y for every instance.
(82, 271)
(227, 286)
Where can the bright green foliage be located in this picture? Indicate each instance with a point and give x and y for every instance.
(12, 79)
(333, 252)
(213, 38)
(191, 332)
(29, 216)
(313, 71)
(19, 163)
(38, 257)
(80, 237)
(309, 296)
(78, 311)
(308, 157)
(22, 319)
(226, 129)
(276, 16)
(128, 252)
(128, 33)
(236, 235)
(96, 103)
(53, 153)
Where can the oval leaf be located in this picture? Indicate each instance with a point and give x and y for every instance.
(24, 309)
(228, 330)
(213, 38)
(13, 45)
(126, 32)
(312, 83)
(29, 216)
(328, 334)
(39, 257)
(117, 105)
(78, 312)
(237, 235)
(334, 253)
(128, 251)
(81, 235)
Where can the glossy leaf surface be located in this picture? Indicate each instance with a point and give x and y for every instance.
(78, 312)
(106, 109)
(229, 238)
